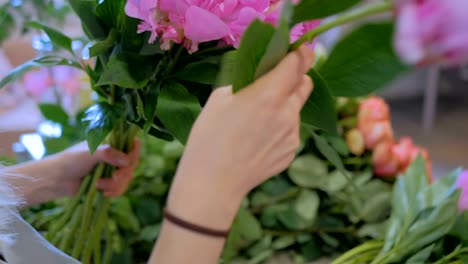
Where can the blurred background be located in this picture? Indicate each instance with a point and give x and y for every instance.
(429, 104)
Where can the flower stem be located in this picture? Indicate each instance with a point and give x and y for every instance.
(69, 232)
(351, 16)
(87, 213)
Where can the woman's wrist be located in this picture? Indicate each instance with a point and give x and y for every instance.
(203, 203)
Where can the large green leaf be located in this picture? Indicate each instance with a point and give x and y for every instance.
(54, 113)
(111, 12)
(58, 39)
(362, 62)
(101, 119)
(308, 171)
(128, 70)
(279, 44)
(422, 256)
(228, 64)
(199, 72)
(177, 109)
(251, 51)
(313, 9)
(92, 25)
(319, 111)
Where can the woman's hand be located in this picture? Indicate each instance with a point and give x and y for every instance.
(239, 141)
(77, 163)
(60, 175)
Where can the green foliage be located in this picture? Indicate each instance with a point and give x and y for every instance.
(178, 110)
(100, 119)
(59, 40)
(362, 62)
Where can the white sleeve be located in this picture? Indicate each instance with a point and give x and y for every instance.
(28, 246)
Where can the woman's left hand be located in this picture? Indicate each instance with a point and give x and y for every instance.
(77, 163)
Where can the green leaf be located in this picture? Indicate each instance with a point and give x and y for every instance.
(422, 256)
(362, 62)
(18, 72)
(103, 46)
(94, 28)
(54, 113)
(111, 12)
(248, 225)
(199, 72)
(374, 230)
(228, 64)
(292, 220)
(377, 207)
(313, 9)
(123, 213)
(251, 51)
(260, 246)
(308, 171)
(278, 46)
(128, 70)
(307, 205)
(57, 60)
(259, 258)
(58, 39)
(178, 110)
(319, 111)
(339, 144)
(284, 242)
(336, 181)
(101, 119)
(150, 233)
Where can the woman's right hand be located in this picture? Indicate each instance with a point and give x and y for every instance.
(239, 141)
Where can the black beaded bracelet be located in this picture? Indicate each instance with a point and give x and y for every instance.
(195, 228)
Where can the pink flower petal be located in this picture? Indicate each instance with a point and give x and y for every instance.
(202, 25)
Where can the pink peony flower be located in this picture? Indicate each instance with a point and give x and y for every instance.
(37, 82)
(195, 21)
(432, 31)
(462, 184)
(191, 22)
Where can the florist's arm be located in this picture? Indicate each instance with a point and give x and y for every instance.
(60, 175)
(238, 142)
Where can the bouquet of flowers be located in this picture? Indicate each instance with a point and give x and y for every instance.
(156, 62)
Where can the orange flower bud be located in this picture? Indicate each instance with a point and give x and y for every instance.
(378, 132)
(372, 110)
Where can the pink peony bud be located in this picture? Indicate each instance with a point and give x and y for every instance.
(355, 142)
(403, 151)
(462, 184)
(385, 163)
(377, 132)
(371, 110)
(432, 31)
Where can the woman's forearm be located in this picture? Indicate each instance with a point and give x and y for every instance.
(202, 204)
(35, 182)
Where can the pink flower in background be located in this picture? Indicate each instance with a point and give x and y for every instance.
(377, 132)
(432, 31)
(67, 79)
(385, 163)
(37, 82)
(403, 151)
(462, 184)
(372, 109)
